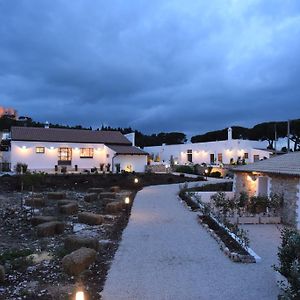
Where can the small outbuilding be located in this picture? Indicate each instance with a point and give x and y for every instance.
(277, 175)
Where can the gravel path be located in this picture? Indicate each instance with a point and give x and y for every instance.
(165, 254)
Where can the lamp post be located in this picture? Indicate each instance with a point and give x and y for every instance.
(206, 172)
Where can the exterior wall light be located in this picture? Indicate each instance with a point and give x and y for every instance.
(76, 149)
(51, 148)
(136, 180)
(127, 200)
(24, 147)
(79, 295)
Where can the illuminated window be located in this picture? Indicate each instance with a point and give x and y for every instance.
(86, 152)
(246, 155)
(40, 150)
(65, 154)
(220, 157)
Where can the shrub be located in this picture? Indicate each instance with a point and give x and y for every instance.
(243, 199)
(184, 169)
(21, 168)
(258, 204)
(289, 261)
(215, 174)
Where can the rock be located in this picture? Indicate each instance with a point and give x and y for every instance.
(90, 197)
(114, 207)
(2, 274)
(79, 260)
(107, 195)
(74, 242)
(105, 201)
(90, 218)
(69, 209)
(50, 228)
(56, 195)
(35, 202)
(41, 219)
(115, 189)
(95, 190)
(65, 202)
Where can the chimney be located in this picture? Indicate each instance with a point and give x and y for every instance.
(46, 124)
(229, 134)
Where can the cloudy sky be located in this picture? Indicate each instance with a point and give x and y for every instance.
(159, 65)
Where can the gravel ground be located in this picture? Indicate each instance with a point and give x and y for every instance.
(166, 254)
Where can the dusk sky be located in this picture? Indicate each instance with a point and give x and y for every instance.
(178, 65)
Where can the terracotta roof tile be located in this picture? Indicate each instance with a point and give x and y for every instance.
(68, 135)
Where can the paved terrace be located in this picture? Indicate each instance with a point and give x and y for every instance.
(166, 254)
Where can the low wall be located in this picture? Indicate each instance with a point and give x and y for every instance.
(205, 196)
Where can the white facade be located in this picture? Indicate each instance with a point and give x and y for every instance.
(26, 152)
(211, 152)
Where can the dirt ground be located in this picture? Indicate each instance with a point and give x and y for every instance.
(41, 276)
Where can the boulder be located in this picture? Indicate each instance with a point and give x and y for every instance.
(35, 202)
(115, 189)
(90, 197)
(105, 201)
(114, 207)
(41, 219)
(69, 209)
(64, 202)
(90, 218)
(79, 260)
(74, 242)
(107, 195)
(2, 274)
(56, 195)
(50, 228)
(95, 190)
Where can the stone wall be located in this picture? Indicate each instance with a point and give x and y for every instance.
(288, 186)
(244, 183)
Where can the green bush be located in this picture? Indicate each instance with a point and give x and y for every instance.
(258, 204)
(289, 261)
(21, 168)
(215, 174)
(184, 169)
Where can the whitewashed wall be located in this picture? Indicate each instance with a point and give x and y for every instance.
(138, 162)
(46, 161)
(201, 151)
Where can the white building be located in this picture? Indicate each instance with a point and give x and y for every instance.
(51, 149)
(219, 152)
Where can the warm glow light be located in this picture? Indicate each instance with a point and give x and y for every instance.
(206, 171)
(127, 200)
(24, 147)
(76, 149)
(79, 296)
(51, 148)
(136, 180)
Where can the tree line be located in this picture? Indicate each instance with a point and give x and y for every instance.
(267, 131)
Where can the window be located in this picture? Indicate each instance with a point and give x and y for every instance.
(86, 152)
(39, 149)
(65, 154)
(220, 157)
(212, 158)
(190, 155)
(246, 155)
(255, 157)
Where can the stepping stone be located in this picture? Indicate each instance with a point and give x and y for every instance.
(56, 195)
(35, 202)
(107, 195)
(114, 207)
(95, 190)
(78, 261)
(41, 219)
(69, 209)
(115, 189)
(90, 197)
(74, 242)
(50, 228)
(90, 218)
(2, 274)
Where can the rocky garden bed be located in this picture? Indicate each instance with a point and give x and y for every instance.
(53, 243)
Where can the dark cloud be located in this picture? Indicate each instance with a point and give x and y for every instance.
(154, 65)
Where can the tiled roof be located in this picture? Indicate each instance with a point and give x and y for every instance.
(288, 164)
(127, 150)
(39, 134)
